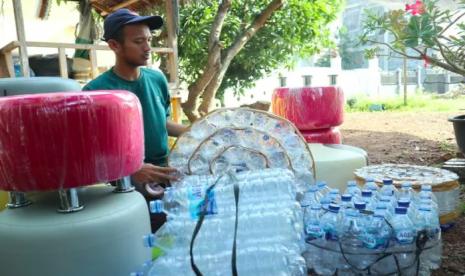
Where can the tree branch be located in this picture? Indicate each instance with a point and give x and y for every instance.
(394, 50)
(249, 32)
(451, 23)
(446, 58)
(217, 25)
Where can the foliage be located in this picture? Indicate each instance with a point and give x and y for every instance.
(298, 29)
(418, 102)
(429, 32)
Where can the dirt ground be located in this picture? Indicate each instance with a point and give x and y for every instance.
(420, 138)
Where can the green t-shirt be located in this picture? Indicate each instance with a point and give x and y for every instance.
(152, 90)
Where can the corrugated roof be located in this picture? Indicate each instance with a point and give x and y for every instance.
(104, 7)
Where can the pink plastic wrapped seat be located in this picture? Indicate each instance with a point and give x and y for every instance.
(324, 136)
(66, 140)
(310, 107)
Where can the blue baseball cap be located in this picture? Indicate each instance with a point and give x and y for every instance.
(122, 17)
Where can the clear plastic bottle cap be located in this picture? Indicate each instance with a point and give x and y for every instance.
(148, 240)
(156, 206)
(406, 185)
(426, 188)
(313, 189)
(351, 183)
(321, 184)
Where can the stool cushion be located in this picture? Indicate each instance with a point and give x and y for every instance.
(65, 140)
(310, 107)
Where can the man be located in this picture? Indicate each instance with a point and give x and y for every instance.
(129, 36)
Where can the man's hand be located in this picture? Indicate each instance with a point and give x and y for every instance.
(153, 174)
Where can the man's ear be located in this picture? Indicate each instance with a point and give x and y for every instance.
(114, 45)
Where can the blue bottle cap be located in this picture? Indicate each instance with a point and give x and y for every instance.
(401, 210)
(387, 182)
(367, 193)
(334, 207)
(346, 197)
(360, 205)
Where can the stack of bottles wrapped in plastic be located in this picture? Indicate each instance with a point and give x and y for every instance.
(236, 210)
(372, 231)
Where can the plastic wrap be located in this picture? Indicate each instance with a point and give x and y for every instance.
(65, 140)
(444, 183)
(330, 135)
(310, 107)
(264, 140)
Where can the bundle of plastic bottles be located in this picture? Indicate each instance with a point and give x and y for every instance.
(246, 223)
(371, 231)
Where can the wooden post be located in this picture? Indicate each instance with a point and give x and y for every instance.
(405, 81)
(63, 63)
(172, 62)
(19, 22)
(93, 63)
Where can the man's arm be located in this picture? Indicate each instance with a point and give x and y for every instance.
(175, 129)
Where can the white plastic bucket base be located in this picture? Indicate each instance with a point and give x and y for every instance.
(336, 163)
(105, 238)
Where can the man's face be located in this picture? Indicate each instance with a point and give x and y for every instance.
(135, 49)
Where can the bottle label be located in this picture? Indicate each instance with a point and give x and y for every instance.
(405, 236)
(196, 198)
(313, 231)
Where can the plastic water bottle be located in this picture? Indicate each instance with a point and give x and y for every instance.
(387, 202)
(334, 195)
(325, 201)
(404, 240)
(388, 188)
(330, 258)
(430, 258)
(383, 209)
(311, 196)
(427, 191)
(411, 211)
(353, 189)
(346, 202)
(367, 197)
(377, 239)
(323, 188)
(371, 185)
(406, 191)
(313, 234)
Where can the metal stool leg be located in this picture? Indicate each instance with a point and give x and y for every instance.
(17, 200)
(69, 201)
(123, 185)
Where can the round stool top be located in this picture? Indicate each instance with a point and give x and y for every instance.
(66, 140)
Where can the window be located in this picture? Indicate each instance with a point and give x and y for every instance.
(307, 80)
(282, 81)
(332, 79)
